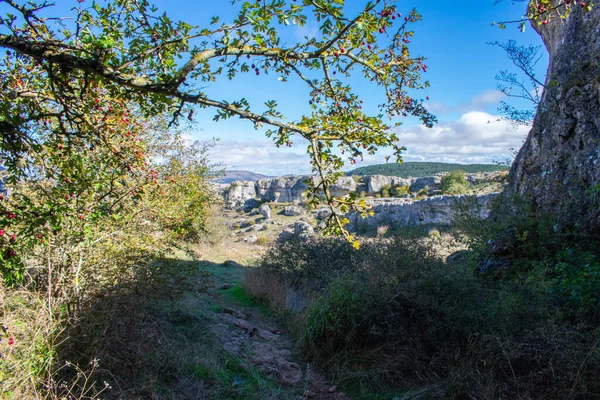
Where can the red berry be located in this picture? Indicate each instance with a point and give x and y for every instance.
(11, 341)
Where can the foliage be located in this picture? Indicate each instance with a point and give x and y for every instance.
(454, 183)
(564, 262)
(392, 316)
(422, 169)
(385, 191)
(543, 12)
(401, 190)
(129, 50)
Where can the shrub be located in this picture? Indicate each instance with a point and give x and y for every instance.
(392, 315)
(400, 190)
(263, 240)
(385, 191)
(455, 183)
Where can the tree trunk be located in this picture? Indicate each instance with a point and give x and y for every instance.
(558, 167)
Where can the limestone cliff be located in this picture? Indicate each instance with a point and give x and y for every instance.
(560, 160)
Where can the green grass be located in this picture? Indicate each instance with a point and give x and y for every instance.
(238, 295)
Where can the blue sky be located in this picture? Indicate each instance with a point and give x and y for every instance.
(453, 36)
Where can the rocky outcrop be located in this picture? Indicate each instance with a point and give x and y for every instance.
(560, 161)
(291, 211)
(265, 211)
(421, 183)
(239, 192)
(438, 210)
(279, 190)
(343, 186)
(282, 190)
(376, 183)
(301, 230)
(291, 189)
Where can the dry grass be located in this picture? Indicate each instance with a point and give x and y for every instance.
(33, 328)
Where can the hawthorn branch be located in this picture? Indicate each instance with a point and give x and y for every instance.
(43, 51)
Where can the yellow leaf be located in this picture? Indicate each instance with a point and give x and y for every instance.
(356, 244)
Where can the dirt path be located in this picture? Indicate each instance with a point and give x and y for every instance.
(246, 331)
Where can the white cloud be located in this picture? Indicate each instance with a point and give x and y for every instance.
(261, 156)
(475, 137)
(477, 103)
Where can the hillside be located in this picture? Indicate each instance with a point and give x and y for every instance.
(422, 169)
(241, 175)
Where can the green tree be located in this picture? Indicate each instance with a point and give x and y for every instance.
(128, 50)
(455, 183)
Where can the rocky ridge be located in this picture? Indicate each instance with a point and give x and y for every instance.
(291, 189)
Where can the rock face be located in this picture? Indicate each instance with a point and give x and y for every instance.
(375, 183)
(560, 160)
(238, 192)
(291, 189)
(421, 183)
(343, 186)
(280, 190)
(291, 211)
(430, 211)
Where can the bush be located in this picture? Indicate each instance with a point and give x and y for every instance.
(263, 240)
(455, 183)
(565, 262)
(392, 315)
(385, 191)
(401, 190)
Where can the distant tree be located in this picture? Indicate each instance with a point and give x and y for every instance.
(454, 183)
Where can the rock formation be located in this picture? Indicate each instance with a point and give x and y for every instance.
(558, 167)
(439, 210)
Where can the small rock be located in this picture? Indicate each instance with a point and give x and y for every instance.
(244, 223)
(309, 394)
(265, 210)
(285, 235)
(291, 211)
(323, 213)
(332, 389)
(259, 227)
(251, 239)
(226, 286)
